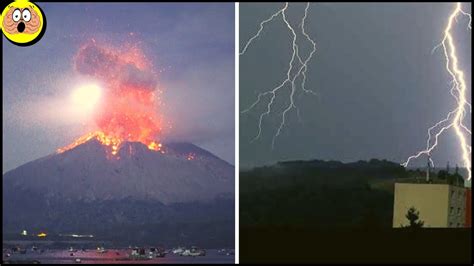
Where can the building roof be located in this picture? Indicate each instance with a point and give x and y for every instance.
(434, 180)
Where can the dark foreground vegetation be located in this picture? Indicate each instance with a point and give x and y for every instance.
(306, 245)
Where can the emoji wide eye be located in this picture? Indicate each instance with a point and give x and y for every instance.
(26, 15)
(16, 15)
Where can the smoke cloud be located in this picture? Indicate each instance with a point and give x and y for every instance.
(128, 109)
(124, 68)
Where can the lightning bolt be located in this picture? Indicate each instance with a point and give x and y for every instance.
(455, 119)
(297, 67)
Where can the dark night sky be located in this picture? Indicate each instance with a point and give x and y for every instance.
(191, 44)
(380, 87)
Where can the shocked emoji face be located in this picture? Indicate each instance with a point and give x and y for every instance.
(22, 22)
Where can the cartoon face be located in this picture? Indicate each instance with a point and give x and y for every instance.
(21, 20)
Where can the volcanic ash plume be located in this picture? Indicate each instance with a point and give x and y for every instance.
(128, 106)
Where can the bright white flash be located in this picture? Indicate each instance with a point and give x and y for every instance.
(86, 96)
(297, 67)
(455, 119)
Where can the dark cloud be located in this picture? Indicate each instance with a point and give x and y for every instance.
(134, 77)
(107, 64)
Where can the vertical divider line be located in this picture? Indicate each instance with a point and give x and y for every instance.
(237, 112)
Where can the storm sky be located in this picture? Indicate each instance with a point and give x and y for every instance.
(380, 87)
(190, 45)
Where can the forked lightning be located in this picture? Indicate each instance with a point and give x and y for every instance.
(297, 67)
(454, 119)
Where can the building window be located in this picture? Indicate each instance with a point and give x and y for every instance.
(459, 210)
(451, 210)
(450, 224)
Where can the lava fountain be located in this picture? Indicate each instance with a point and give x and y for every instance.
(127, 109)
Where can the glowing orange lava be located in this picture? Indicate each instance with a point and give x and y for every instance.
(128, 110)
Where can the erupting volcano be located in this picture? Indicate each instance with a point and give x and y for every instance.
(94, 146)
(127, 110)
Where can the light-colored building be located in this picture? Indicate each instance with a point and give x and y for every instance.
(468, 207)
(439, 205)
(467, 183)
